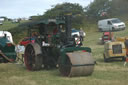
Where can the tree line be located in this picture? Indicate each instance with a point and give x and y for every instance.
(98, 9)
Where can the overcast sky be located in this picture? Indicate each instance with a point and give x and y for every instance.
(26, 8)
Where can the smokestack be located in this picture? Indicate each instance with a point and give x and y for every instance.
(68, 26)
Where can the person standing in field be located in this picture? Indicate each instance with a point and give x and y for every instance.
(81, 34)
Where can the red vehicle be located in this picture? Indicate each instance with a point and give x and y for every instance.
(27, 40)
(107, 36)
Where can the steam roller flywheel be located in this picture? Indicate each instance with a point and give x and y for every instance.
(77, 64)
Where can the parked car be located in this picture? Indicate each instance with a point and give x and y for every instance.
(8, 35)
(78, 33)
(78, 36)
(75, 32)
(27, 40)
(112, 24)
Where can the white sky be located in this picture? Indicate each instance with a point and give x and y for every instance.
(26, 8)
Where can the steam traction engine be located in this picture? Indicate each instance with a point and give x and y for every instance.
(54, 47)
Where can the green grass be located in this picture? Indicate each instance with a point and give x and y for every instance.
(113, 73)
(104, 74)
(8, 25)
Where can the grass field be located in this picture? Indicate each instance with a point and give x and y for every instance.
(113, 73)
(9, 25)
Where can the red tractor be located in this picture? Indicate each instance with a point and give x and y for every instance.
(107, 36)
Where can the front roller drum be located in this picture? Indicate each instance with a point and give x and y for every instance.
(77, 64)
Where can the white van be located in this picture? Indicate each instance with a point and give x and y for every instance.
(112, 24)
(8, 34)
(1, 22)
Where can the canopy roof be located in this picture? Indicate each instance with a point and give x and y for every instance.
(47, 22)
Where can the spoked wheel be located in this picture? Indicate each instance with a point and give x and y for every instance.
(33, 58)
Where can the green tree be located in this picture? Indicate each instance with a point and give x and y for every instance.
(98, 8)
(119, 7)
(75, 10)
(106, 8)
(62, 9)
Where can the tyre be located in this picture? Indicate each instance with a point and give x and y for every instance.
(105, 59)
(123, 58)
(113, 29)
(100, 30)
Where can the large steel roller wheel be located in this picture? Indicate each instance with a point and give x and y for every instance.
(77, 64)
(33, 57)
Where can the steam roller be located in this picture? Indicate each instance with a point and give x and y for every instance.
(76, 62)
(55, 46)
